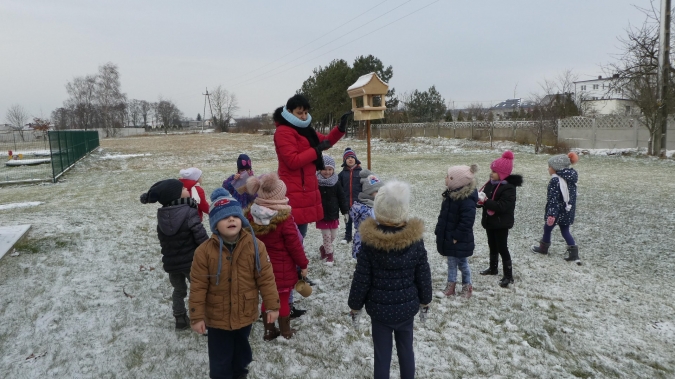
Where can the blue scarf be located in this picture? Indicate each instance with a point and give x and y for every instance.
(290, 117)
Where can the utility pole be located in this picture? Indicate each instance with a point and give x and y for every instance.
(663, 77)
(204, 114)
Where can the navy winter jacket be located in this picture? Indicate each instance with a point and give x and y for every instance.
(392, 276)
(350, 180)
(555, 205)
(455, 222)
(333, 201)
(502, 202)
(180, 232)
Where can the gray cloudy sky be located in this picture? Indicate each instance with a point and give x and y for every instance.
(471, 50)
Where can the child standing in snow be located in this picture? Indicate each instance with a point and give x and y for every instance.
(180, 232)
(498, 199)
(271, 220)
(334, 202)
(244, 170)
(392, 278)
(351, 184)
(363, 208)
(561, 204)
(192, 181)
(454, 230)
(230, 270)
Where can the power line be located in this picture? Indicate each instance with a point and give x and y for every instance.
(325, 44)
(330, 51)
(316, 39)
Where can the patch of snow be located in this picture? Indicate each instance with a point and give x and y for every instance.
(123, 156)
(20, 205)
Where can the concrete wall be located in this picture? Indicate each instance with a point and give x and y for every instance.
(613, 132)
(122, 132)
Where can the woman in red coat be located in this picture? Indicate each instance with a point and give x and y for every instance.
(270, 218)
(299, 148)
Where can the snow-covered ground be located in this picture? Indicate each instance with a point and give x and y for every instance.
(64, 312)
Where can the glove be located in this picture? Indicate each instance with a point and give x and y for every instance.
(550, 221)
(424, 312)
(342, 127)
(323, 145)
(355, 316)
(481, 198)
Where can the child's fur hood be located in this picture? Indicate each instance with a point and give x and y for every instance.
(515, 179)
(412, 232)
(261, 230)
(461, 193)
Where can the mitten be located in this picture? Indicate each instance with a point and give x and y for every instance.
(323, 145)
(550, 221)
(481, 198)
(355, 316)
(342, 127)
(424, 312)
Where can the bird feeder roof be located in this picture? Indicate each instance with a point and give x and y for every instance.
(369, 84)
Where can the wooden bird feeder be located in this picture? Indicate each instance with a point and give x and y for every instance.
(368, 96)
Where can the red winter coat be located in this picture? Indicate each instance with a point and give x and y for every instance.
(297, 170)
(284, 247)
(203, 206)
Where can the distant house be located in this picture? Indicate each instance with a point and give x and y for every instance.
(510, 107)
(598, 97)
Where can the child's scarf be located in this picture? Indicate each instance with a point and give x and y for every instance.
(194, 194)
(326, 182)
(183, 200)
(565, 192)
(262, 215)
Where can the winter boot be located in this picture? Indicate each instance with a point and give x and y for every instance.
(182, 322)
(494, 262)
(508, 275)
(271, 331)
(467, 291)
(323, 252)
(295, 312)
(329, 260)
(542, 248)
(573, 254)
(449, 289)
(285, 326)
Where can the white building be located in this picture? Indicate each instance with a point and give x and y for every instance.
(597, 97)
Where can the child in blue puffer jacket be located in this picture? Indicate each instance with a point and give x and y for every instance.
(561, 204)
(454, 230)
(363, 208)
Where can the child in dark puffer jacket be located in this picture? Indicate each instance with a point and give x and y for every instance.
(350, 180)
(334, 202)
(498, 199)
(180, 232)
(454, 230)
(392, 278)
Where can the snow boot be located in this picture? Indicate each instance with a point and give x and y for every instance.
(508, 275)
(285, 326)
(573, 254)
(329, 260)
(542, 248)
(295, 312)
(449, 289)
(494, 263)
(467, 291)
(271, 331)
(182, 321)
(323, 252)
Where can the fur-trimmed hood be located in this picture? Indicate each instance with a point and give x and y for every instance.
(261, 230)
(412, 232)
(514, 179)
(461, 193)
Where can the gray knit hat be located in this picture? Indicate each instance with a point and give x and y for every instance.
(369, 182)
(328, 161)
(559, 162)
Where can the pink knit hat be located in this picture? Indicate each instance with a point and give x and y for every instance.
(268, 187)
(460, 176)
(504, 165)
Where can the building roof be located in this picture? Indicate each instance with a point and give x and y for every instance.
(512, 104)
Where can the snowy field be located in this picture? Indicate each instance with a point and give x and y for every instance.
(87, 298)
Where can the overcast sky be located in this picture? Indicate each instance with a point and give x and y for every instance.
(263, 50)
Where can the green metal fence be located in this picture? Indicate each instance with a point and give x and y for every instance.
(24, 156)
(69, 146)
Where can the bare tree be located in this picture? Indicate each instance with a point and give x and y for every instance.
(135, 112)
(476, 111)
(81, 101)
(635, 72)
(145, 107)
(225, 105)
(17, 117)
(110, 98)
(168, 114)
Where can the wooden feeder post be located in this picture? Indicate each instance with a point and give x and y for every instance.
(368, 87)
